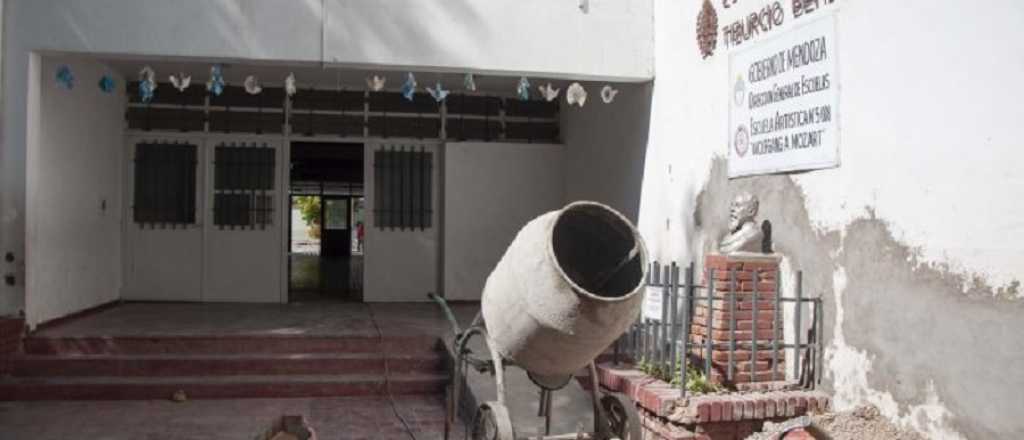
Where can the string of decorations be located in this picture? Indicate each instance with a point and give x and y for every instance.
(575, 94)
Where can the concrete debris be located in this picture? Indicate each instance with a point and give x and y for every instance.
(864, 422)
(179, 396)
(292, 427)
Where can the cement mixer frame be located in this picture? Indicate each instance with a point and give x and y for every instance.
(615, 415)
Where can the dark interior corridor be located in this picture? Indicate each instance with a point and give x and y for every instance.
(325, 256)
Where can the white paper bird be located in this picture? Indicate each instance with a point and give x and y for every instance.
(180, 81)
(289, 84)
(608, 94)
(576, 95)
(549, 93)
(376, 83)
(252, 85)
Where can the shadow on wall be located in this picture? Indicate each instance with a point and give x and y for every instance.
(936, 349)
(607, 145)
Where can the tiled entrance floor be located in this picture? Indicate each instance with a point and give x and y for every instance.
(295, 319)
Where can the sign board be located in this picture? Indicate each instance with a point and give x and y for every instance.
(652, 302)
(784, 102)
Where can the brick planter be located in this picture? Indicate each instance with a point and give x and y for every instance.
(730, 416)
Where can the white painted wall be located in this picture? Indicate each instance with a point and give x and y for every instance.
(606, 144)
(929, 143)
(539, 37)
(491, 191)
(928, 125)
(73, 241)
(399, 265)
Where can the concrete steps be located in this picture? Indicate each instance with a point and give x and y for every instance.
(233, 366)
(218, 387)
(230, 344)
(163, 365)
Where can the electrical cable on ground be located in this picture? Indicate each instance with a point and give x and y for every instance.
(387, 374)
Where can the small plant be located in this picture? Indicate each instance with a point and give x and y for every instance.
(696, 381)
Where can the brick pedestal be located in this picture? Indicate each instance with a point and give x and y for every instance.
(743, 315)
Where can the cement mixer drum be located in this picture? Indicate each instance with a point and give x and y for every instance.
(570, 284)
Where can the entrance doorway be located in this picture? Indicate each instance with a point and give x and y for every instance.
(325, 258)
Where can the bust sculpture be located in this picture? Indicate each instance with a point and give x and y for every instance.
(744, 234)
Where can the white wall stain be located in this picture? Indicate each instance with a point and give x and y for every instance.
(849, 369)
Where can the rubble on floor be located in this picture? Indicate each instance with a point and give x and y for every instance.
(289, 428)
(864, 422)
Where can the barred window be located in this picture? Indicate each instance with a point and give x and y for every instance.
(165, 184)
(243, 186)
(403, 188)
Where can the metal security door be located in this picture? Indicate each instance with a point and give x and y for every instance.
(243, 233)
(163, 234)
(336, 233)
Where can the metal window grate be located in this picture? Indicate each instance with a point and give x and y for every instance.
(668, 345)
(243, 186)
(403, 189)
(165, 184)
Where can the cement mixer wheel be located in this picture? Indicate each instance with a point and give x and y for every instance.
(621, 415)
(492, 422)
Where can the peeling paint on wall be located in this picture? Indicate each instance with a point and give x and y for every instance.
(849, 369)
(935, 349)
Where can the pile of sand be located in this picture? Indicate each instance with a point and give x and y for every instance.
(865, 422)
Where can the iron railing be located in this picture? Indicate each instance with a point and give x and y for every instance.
(669, 344)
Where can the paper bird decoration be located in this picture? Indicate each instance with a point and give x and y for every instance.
(65, 78)
(181, 81)
(469, 82)
(608, 94)
(106, 84)
(523, 89)
(576, 95)
(438, 92)
(215, 85)
(147, 83)
(289, 84)
(252, 85)
(549, 93)
(409, 88)
(376, 83)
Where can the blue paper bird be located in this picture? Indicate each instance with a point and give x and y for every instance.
(215, 85)
(146, 91)
(438, 92)
(65, 78)
(409, 88)
(523, 90)
(107, 84)
(147, 84)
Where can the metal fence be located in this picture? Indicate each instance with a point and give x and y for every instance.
(669, 345)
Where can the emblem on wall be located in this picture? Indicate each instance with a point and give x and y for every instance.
(707, 29)
(741, 141)
(739, 91)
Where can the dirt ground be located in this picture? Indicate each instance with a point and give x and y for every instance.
(861, 423)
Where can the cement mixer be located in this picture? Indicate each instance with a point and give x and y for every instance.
(568, 286)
